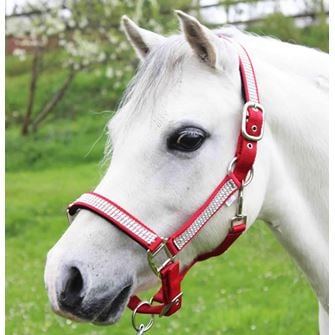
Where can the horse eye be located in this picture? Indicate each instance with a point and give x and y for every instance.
(187, 139)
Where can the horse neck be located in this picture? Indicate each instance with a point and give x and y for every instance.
(295, 205)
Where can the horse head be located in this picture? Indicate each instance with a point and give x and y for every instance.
(170, 144)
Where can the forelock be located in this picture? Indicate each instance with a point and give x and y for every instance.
(159, 70)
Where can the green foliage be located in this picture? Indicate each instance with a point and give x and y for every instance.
(93, 43)
(94, 90)
(277, 25)
(90, 92)
(285, 28)
(316, 36)
(52, 62)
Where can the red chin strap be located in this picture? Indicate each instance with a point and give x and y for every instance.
(161, 251)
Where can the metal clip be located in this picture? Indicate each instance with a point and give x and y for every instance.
(239, 218)
(141, 329)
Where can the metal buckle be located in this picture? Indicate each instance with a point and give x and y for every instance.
(245, 134)
(167, 307)
(238, 220)
(157, 267)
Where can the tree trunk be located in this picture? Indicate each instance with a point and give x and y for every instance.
(32, 91)
(51, 104)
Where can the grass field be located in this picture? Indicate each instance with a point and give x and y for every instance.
(254, 288)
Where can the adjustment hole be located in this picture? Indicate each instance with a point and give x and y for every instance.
(254, 128)
(249, 146)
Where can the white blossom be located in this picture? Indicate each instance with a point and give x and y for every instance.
(83, 22)
(118, 73)
(20, 53)
(87, 39)
(109, 72)
(101, 57)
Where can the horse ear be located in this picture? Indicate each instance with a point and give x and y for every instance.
(142, 40)
(202, 40)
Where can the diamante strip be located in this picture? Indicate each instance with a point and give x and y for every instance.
(117, 215)
(222, 195)
(248, 71)
(249, 75)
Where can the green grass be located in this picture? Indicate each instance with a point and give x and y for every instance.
(61, 143)
(253, 288)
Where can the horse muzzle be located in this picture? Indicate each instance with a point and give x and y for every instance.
(74, 294)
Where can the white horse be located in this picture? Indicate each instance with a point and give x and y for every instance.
(191, 83)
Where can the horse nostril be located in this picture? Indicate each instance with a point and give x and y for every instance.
(71, 293)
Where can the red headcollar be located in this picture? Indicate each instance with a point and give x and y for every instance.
(162, 251)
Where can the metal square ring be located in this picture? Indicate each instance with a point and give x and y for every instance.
(155, 266)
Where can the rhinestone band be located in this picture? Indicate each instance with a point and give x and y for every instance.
(246, 67)
(222, 195)
(119, 216)
(249, 74)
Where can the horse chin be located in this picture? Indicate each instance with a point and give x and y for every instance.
(112, 311)
(105, 311)
(100, 320)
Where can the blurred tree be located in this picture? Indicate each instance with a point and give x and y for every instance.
(277, 25)
(280, 26)
(89, 34)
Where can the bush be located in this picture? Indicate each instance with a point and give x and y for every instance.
(285, 28)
